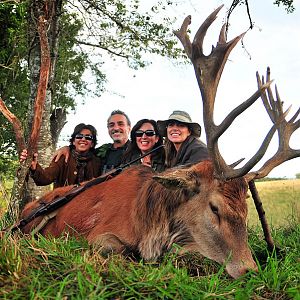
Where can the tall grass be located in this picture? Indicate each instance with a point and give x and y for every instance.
(66, 268)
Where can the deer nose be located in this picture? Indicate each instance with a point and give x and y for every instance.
(247, 269)
(241, 268)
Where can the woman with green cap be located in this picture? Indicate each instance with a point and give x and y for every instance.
(182, 143)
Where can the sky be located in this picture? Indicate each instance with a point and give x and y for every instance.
(165, 86)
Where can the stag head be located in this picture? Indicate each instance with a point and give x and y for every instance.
(208, 70)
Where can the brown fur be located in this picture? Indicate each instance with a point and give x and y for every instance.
(148, 212)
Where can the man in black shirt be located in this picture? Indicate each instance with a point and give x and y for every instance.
(119, 126)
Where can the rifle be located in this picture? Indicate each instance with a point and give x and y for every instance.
(46, 208)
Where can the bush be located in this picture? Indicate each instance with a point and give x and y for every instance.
(8, 165)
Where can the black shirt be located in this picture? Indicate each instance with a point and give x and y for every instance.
(110, 157)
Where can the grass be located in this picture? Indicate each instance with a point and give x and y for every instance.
(66, 268)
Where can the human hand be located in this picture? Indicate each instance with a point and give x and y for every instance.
(24, 155)
(62, 151)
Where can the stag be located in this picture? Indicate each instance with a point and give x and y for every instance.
(208, 70)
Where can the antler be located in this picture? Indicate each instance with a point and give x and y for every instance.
(208, 71)
(285, 129)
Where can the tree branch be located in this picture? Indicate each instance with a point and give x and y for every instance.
(102, 47)
(16, 125)
(42, 87)
(18, 199)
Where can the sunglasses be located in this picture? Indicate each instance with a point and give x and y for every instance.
(80, 136)
(139, 133)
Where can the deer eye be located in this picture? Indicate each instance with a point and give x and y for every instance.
(215, 210)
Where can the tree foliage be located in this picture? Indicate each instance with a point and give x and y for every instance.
(90, 34)
(14, 81)
(287, 4)
(120, 30)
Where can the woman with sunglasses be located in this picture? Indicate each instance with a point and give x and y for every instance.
(182, 143)
(144, 138)
(82, 165)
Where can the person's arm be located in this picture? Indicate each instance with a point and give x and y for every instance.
(48, 175)
(64, 151)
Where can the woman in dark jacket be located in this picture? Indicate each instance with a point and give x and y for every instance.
(145, 137)
(83, 164)
(182, 144)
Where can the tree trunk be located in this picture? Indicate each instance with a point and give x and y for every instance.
(45, 150)
(48, 137)
(39, 65)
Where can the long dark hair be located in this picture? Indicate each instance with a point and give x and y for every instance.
(78, 128)
(170, 152)
(133, 150)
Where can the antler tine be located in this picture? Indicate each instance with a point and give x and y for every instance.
(183, 36)
(280, 107)
(295, 117)
(269, 105)
(200, 34)
(284, 129)
(209, 68)
(222, 35)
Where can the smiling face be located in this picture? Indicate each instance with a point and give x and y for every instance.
(118, 130)
(82, 141)
(177, 133)
(145, 143)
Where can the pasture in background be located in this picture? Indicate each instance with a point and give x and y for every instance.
(281, 202)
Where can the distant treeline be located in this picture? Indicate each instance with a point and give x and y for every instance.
(272, 179)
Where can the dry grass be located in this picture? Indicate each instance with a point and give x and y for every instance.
(281, 202)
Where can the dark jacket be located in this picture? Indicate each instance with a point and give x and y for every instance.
(61, 173)
(191, 151)
(110, 157)
(157, 160)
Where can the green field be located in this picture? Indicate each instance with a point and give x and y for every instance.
(281, 202)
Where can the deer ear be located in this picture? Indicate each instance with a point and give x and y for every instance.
(171, 182)
(178, 179)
